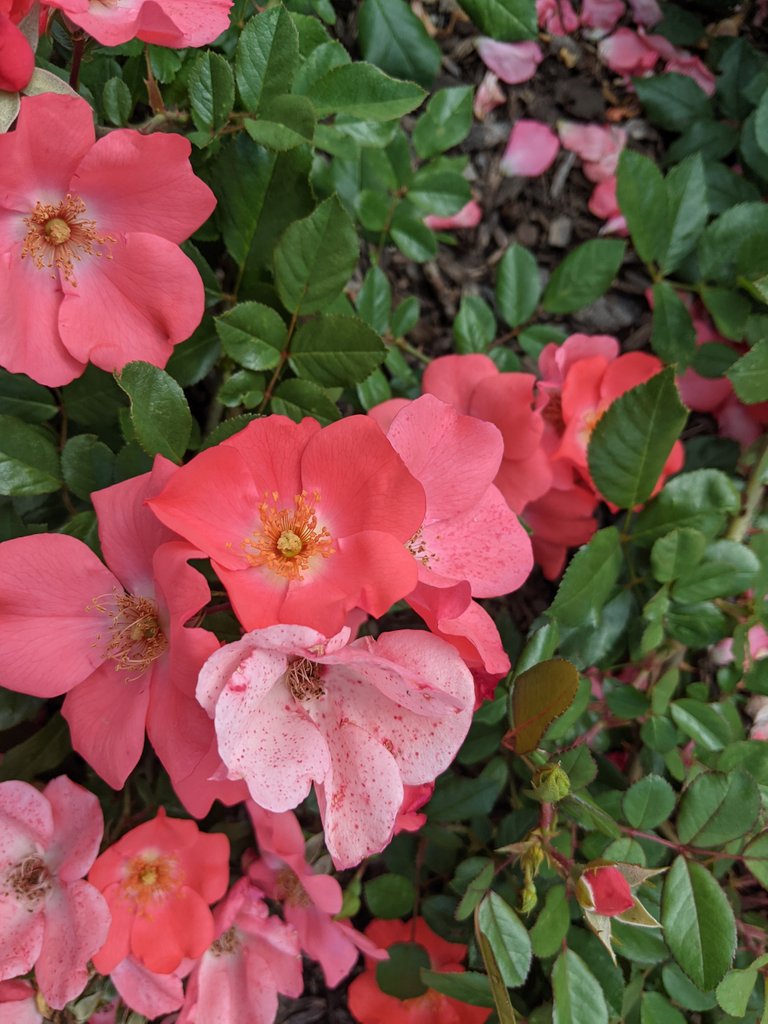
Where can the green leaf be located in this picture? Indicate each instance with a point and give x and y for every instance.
(697, 625)
(362, 90)
(655, 1009)
(648, 802)
(687, 211)
(211, 86)
(508, 938)
(29, 462)
(698, 923)
(412, 236)
(499, 991)
(702, 500)
(374, 300)
(716, 808)
(400, 975)
(300, 398)
(676, 553)
(729, 309)
(194, 358)
(756, 858)
(552, 923)
(456, 799)
(673, 101)
(439, 192)
(267, 57)
(586, 273)
(673, 337)
(506, 20)
(518, 285)
(579, 999)
(390, 896)
(160, 415)
(642, 199)
(749, 375)
(736, 244)
(336, 351)
(87, 464)
(315, 258)
(117, 101)
(284, 123)
(539, 696)
(589, 580)
(702, 722)
(252, 334)
(445, 123)
(475, 891)
(243, 388)
(633, 439)
(16, 708)
(468, 987)
(475, 325)
(22, 397)
(727, 568)
(734, 991)
(395, 40)
(42, 752)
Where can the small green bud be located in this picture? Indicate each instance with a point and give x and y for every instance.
(528, 898)
(550, 784)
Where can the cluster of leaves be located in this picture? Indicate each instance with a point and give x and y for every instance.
(318, 178)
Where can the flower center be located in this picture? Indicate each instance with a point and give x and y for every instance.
(553, 411)
(29, 880)
(289, 538)
(150, 878)
(290, 890)
(303, 678)
(135, 637)
(58, 235)
(419, 549)
(227, 942)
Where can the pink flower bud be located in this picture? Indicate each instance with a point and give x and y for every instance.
(607, 889)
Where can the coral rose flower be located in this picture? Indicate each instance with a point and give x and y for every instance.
(159, 880)
(174, 23)
(360, 720)
(90, 265)
(607, 890)
(302, 524)
(370, 1005)
(50, 918)
(17, 62)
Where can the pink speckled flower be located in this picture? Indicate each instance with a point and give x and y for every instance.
(292, 708)
(176, 23)
(50, 918)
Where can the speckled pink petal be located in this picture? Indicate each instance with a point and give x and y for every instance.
(76, 924)
(26, 821)
(360, 797)
(144, 991)
(78, 828)
(22, 932)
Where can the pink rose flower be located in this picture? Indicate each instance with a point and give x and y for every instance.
(608, 890)
(122, 654)
(159, 880)
(309, 901)
(17, 1003)
(292, 708)
(90, 265)
(50, 917)
(300, 522)
(146, 992)
(17, 61)
(176, 23)
(253, 957)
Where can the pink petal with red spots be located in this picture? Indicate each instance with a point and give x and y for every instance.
(76, 925)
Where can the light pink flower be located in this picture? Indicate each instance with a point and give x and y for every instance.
(17, 1003)
(511, 62)
(602, 14)
(292, 708)
(557, 16)
(253, 957)
(488, 96)
(300, 522)
(469, 216)
(50, 918)
(309, 900)
(531, 149)
(627, 53)
(159, 880)
(175, 23)
(90, 264)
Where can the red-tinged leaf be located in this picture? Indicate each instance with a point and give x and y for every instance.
(539, 696)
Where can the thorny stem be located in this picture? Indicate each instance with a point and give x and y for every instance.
(752, 498)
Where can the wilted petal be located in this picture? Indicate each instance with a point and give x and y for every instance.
(531, 149)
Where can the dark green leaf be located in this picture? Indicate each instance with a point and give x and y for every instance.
(676, 553)
(648, 802)
(702, 500)
(578, 996)
(400, 975)
(42, 752)
(300, 398)
(411, 235)
(445, 122)
(87, 464)
(539, 696)
(374, 300)
(729, 310)
(736, 244)
(284, 123)
(22, 397)
(160, 415)
(552, 923)
(395, 40)
(253, 335)
(508, 938)
(687, 211)
(390, 896)
(717, 808)
(518, 285)
(673, 338)
(468, 987)
(362, 90)
(439, 192)
(704, 723)
(458, 798)
(633, 439)
(117, 102)
(244, 388)
(673, 101)
(698, 923)
(336, 351)
(315, 258)
(506, 20)
(211, 87)
(642, 199)
(475, 325)
(267, 57)
(589, 580)
(749, 375)
(585, 274)
(727, 568)
(29, 462)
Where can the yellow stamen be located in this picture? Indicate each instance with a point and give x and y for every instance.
(289, 538)
(58, 235)
(135, 637)
(150, 877)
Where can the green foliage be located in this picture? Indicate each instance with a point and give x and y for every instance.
(160, 414)
(507, 20)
